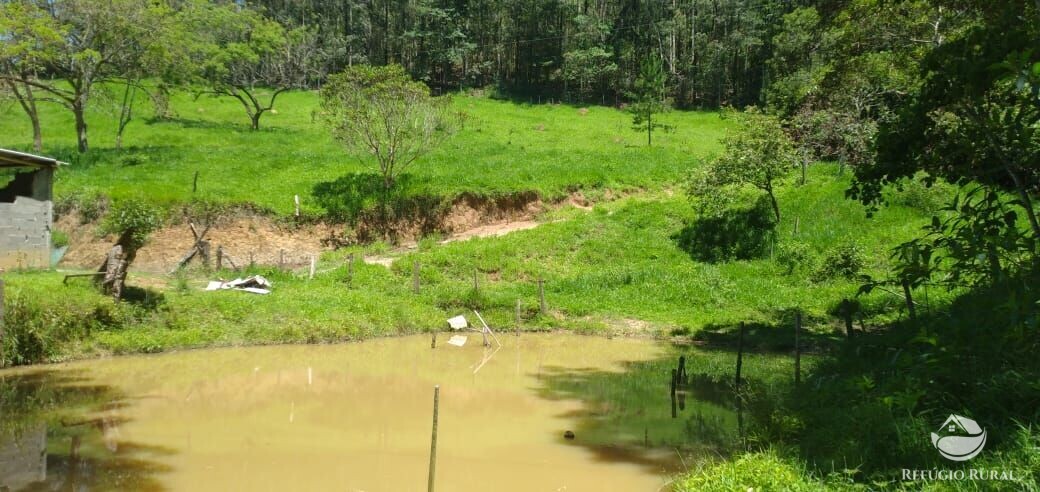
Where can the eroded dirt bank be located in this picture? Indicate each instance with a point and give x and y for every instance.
(246, 236)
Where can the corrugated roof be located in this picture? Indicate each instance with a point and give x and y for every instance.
(13, 158)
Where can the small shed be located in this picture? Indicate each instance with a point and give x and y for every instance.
(26, 209)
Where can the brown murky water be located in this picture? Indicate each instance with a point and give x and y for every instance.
(353, 417)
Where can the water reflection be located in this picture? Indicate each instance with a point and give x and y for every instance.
(61, 432)
(357, 417)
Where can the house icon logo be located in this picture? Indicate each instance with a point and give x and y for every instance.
(959, 438)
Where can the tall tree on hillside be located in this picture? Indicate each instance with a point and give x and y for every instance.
(99, 41)
(29, 38)
(381, 112)
(242, 54)
(649, 97)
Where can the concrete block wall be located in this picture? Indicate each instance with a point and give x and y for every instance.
(25, 233)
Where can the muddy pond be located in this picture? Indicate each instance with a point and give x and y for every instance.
(358, 417)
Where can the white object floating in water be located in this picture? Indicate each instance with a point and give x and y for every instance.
(458, 323)
(457, 340)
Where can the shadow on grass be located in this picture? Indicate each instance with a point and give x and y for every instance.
(737, 235)
(61, 431)
(145, 298)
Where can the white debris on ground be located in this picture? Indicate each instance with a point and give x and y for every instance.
(457, 323)
(255, 284)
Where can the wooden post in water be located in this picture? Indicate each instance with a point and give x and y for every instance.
(541, 297)
(675, 375)
(740, 355)
(682, 369)
(3, 361)
(433, 440)
(797, 348)
(415, 276)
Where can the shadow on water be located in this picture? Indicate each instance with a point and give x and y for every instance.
(626, 416)
(61, 431)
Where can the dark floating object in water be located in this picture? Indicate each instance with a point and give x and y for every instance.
(568, 435)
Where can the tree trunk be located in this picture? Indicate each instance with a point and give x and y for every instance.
(776, 206)
(255, 119)
(649, 128)
(81, 125)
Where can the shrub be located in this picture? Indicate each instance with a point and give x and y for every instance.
(922, 194)
(59, 239)
(133, 218)
(843, 261)
(753, 471)
(794, 255)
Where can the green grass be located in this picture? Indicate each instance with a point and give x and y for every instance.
(621, 261)
(504, 148)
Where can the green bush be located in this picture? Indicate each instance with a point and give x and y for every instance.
(133, 217)
(843, 261)
(753, 471)
(794, 255)
(59, 239)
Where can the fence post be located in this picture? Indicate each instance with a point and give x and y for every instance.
(518, 317)
(433, 440)
(541, 296)
(846, 313)
(3, 361)
(797, 348)
(220, 257)
(314, 265)
(350, 269)
(415, 276)
(740, 355)
(296, 201)
(909, 300)
(674, 382)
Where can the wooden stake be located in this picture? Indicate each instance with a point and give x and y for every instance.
(740, 355)
(415, 276)
(846, 313)
(296, 201)
(252, 260)
(797, 223)
(433, 439)
(518, 317)
(314, 264)
(797, 348)
(675, 375)
(3, 361)
(909, 300)
(541, 296)
(220, 257)
(204, 253)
